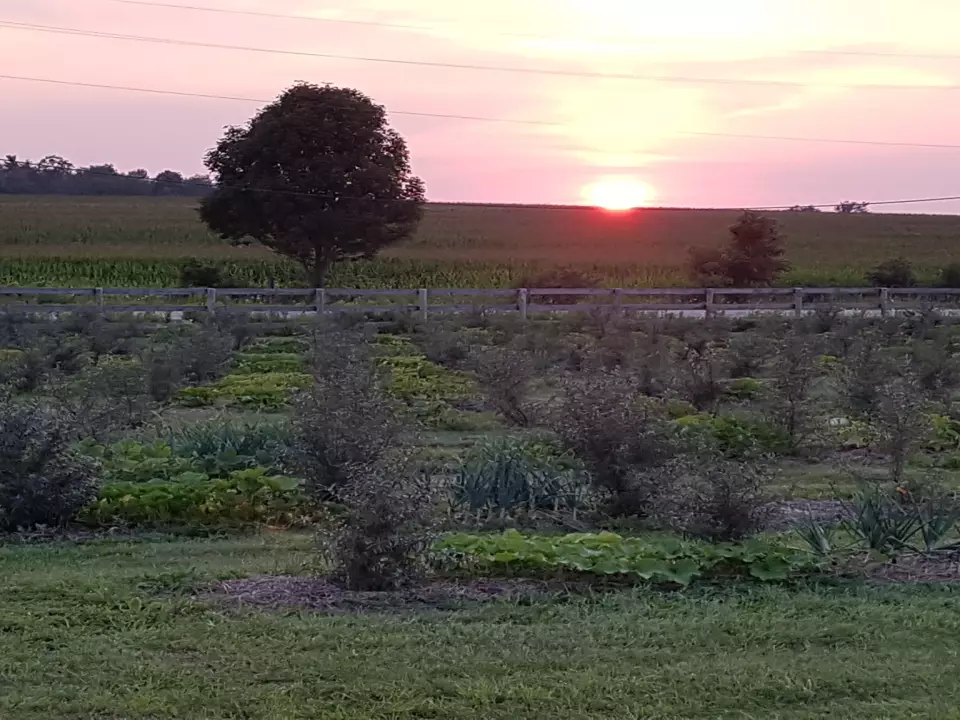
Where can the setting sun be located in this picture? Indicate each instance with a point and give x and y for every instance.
(618, 193)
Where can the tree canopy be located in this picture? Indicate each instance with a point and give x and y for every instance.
(53, 175)
(318, 176)
(753, 255)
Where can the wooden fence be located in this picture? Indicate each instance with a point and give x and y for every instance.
(321, 301)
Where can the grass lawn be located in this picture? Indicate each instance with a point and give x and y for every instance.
(109, 630)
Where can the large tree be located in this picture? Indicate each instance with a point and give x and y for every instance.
(317, 176)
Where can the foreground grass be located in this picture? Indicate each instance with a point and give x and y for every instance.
(109, 630)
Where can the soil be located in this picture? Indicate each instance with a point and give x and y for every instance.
(788, 514)
(322, 595)
(939, 568)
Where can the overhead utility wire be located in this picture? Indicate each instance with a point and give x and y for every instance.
(430, 28)
(335, 196)
(480, 118)
(31, 27)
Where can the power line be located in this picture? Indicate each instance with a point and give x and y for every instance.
(480, 118)
(530, 36)
(30, 27)
(338, 197)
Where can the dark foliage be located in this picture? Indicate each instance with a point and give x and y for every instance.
(317, 176)
(558, 279)
(381, 542)
(345, 420)
(894, 273)
(949, 276)
(53, 175)
(851, 207)
(753, 257)
(42, 481)
(205, 274)
(713, 499)
(505, 376)
(617, 432)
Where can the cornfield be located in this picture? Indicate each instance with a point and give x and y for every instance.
(142, 242)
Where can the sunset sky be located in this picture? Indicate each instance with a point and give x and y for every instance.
(665, 131)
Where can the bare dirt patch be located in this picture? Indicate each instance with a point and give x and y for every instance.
(321, 595)
(939, 568)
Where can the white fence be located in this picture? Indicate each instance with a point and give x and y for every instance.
(320, 301)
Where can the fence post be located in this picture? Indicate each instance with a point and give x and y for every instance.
(522, 303)
(884, 302)
(211, 300)
(708, 306)
(618, 300)
(98, 298)
(320, 301)
(424, 304)
(798, 301)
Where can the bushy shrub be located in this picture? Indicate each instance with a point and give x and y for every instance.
(511, 474)
(558, 279)
(714, 499)
(748, 352)
(793, 374)
(900, 420)
(381, 541)
(42, 480)
(205, 274)
(109, 397)
(345, 418)
(505, 376)
(615, 431)
(894, 273)
(700, 375)
(949, 276)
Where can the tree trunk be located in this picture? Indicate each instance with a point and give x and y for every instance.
(317, 272)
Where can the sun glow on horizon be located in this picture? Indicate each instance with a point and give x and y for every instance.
(618, 194)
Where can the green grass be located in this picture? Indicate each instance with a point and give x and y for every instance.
(109, 630)
(92, 241)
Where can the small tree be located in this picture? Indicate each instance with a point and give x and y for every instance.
(894, 273)
(317, 176)
(849, 207)
(753, 257)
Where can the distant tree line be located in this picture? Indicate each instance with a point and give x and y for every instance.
(53, 175)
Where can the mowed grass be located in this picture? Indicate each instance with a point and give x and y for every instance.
(111, 630)
(142, 241)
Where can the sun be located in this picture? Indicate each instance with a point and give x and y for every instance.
(618, 193)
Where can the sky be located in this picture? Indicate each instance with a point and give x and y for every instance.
(665, 129)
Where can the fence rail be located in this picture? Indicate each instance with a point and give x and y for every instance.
(524, 301)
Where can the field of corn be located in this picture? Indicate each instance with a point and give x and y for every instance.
(142, 242)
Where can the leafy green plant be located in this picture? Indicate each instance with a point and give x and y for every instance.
(519, 474)
(219, 447)
(744, 388)
(610, 555)
(733, 437)
(250, 363)
(414, 378)
(893, 522)
(246, 496)
(266, 391)
(945, 435)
